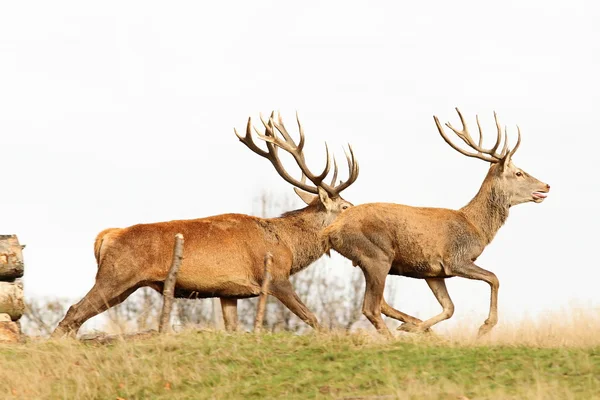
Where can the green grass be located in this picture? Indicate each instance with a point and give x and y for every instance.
(216, 365)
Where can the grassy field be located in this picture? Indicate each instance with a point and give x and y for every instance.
(216, 365)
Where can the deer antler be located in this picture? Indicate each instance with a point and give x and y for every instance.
(274, 142)
(489, 155)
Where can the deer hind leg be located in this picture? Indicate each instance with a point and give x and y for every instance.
(230, 316)
(472, 271)
(284, 292)
(438, 287)
(391, 312)
(375, 272)
(103, 295)
(408, 321)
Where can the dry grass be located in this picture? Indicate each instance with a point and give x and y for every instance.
(575, 327)
(557, 358)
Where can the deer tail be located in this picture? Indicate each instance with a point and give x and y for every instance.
(100, 241)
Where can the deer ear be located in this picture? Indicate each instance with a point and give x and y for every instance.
(325, 199)
(305, 196)
(505, 161)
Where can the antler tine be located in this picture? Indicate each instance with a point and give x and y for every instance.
(301, 130)
(319, 178)
(278, 124)
(268, 129)
(480, 132)
(335, 172)
(353, 170)
(281, 128)
(464, 134)
(499, 136)
(505, 147)
(248, 141)
(514, 150)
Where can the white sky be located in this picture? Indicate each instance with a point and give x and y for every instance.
(116, 113)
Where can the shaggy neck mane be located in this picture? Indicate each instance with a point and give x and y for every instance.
(301, 230)
(488, 210)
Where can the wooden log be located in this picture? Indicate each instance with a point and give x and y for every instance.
(11, 258)
(264, 293)
(11, 299)
(169, 289)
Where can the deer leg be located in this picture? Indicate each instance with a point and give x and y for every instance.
(438, 287)
(100, 298)
(375, 273)
(472, 271)
(408, 321)
(230, 316)
(391, 312)
(284, 292)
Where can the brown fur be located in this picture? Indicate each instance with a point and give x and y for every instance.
(223, 255)
(429, 243)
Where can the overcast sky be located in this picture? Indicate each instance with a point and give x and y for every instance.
(117, 113)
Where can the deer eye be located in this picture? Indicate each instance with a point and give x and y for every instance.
(519, 173)
(345, 206)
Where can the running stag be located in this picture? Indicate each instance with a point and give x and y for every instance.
(434, 243)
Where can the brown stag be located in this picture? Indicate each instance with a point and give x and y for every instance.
(434, 243)
(224, 254)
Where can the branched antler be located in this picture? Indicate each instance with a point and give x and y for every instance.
(489, 155)
(275, 142)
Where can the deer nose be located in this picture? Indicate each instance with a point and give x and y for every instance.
(548, 187)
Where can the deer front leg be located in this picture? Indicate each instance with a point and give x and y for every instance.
(472, 271)
(284, 292)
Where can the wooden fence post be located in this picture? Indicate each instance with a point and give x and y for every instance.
(264, 293)
(12, 305)
(169, 289)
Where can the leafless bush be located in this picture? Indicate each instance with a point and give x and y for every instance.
(42, 315)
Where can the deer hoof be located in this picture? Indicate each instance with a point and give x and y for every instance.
(409, 327)
(484, 330)
(413, 328)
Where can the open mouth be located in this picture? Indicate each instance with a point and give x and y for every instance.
(539, 196)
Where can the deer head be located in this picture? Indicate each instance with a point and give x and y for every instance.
(319, 193)
(507, 180)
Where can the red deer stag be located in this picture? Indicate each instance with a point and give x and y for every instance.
(224, 254)
(434, 243)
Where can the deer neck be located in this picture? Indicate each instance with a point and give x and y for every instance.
(301, 231)
(488, 210)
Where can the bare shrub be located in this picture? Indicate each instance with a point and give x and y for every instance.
(42, 315)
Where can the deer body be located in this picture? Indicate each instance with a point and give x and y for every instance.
(223, 250)
(224, 254)
(433, 243)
